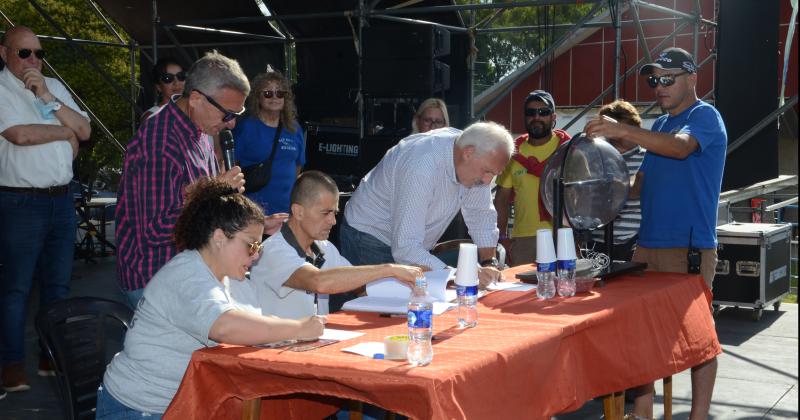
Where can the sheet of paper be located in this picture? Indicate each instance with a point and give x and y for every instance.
(389, 305)
(340, 335)
(391, 287)
(512, 286)
(368, 349)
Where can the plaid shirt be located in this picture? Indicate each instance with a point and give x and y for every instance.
(168, 153)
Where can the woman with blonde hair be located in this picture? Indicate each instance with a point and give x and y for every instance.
(270, 137)
(432, 114)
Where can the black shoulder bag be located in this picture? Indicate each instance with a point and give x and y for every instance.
(257, 176)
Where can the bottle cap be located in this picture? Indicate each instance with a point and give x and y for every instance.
(378, 356)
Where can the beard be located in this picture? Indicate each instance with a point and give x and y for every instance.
(538, 130)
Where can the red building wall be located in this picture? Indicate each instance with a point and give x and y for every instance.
(584, 71)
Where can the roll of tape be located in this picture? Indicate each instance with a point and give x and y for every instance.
(396, 346)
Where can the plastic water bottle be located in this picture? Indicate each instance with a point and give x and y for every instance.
(467, 306)
(566, 278)
(420, 325)
(545, 276)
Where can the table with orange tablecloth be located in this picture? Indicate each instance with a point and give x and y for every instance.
(526, 358)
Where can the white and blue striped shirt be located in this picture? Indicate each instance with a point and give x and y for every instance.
(410, 197)
(626, 224)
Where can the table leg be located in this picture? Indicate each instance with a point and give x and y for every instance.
(356, 409)
(668, 398)
(251, 409)
(609, 408)
(614, 406)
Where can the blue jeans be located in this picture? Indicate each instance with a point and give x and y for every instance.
(132, 297)
(108, 408)
(360, 249)
(37, 243)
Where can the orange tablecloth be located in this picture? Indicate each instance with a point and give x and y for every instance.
(527, 357)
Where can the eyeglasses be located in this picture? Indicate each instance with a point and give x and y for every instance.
(276, 93)
(169, 77)
(227, 115)
(542, 112)
(26, 52)
(664, 80)
(254, 248)
(433, 122)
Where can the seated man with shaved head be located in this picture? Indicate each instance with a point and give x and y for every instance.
(299, 266)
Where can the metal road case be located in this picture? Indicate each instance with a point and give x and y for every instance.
(753, 265)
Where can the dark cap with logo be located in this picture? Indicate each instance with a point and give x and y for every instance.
(671, 59)
(542, 96)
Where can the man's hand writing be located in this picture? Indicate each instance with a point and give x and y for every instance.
(488, 275)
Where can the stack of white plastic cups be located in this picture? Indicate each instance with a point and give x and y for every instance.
(467, 285)
(566, 262)
(545, 264)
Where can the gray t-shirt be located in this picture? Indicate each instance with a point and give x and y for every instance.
(172, 320)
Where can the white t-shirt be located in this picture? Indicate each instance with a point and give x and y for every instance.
(172, 320)
(41, 165)
(279, 261)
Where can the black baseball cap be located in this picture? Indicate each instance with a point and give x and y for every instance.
(671, 59)
(541, 96)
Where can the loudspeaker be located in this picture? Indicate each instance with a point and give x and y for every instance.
(389, 116)
(405, 41)
(332, 149)
(373, 149)
(384, 77)
(746, 87)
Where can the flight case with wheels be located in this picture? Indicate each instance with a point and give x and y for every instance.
(752, 265)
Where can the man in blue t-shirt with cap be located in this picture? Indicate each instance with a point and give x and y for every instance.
(679, 184)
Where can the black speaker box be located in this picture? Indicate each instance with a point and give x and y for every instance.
(746, 88)
(332, 149)
(405, 77)
(405, 41)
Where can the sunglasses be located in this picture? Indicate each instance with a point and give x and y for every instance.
(254, 248)
(26, 52)
(227, 115)
(167, 78)
(280, 94)
(433, 122)
(663, 80)
(542, 112)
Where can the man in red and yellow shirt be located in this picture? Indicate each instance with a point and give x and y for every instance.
(520, 179)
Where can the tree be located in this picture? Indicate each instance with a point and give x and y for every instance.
(500, 53)
(78, 20)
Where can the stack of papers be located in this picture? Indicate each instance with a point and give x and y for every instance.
(391, 296)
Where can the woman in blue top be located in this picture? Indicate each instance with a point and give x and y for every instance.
(271, 101)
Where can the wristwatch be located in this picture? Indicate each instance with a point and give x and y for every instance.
(490, 262)
(55, 105)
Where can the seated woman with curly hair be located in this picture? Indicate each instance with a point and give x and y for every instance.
(187, 305)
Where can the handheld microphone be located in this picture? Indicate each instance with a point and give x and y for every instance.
(227, 144)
